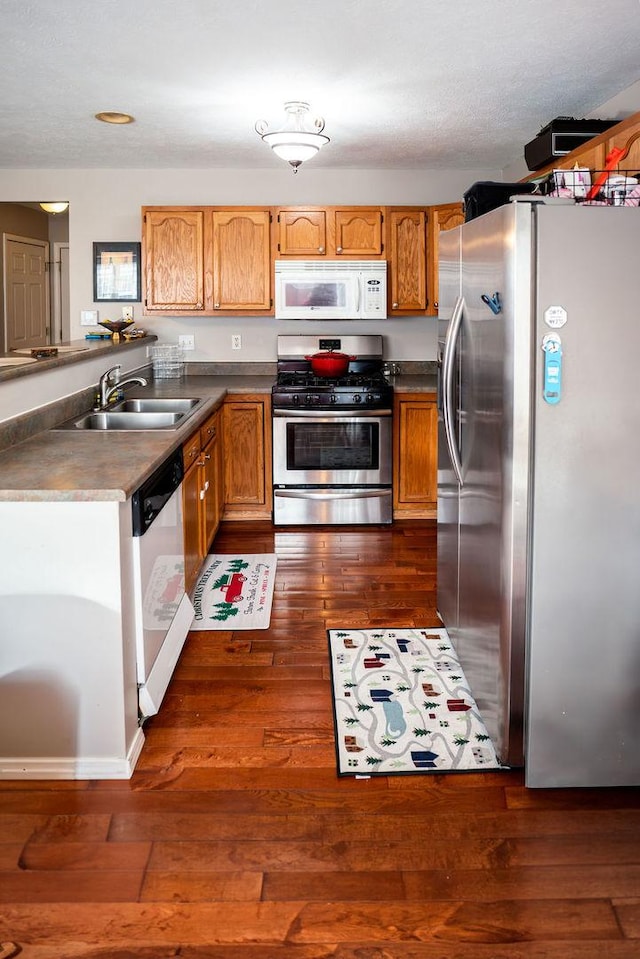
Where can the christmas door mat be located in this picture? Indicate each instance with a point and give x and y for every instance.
(403, 705)
(234, 592)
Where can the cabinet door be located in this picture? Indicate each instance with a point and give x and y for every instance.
(241, 260)
(302, 232)
(415, 482)
(358, 232)
(247, 456)
(446, 216)
(193, 548)
(173, 260)
(629, 141)
(407, 260)
(211, 479)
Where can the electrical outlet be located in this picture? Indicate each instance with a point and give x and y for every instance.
(88, 317)
(236, 341)
(187, 342)
(127, 312)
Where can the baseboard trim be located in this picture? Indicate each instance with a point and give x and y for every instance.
(64, 767)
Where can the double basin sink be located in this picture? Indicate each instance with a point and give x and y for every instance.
(152, 413)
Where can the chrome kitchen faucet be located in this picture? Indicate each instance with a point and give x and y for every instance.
(108, 387)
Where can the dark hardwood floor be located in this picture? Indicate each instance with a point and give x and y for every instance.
(235, 839)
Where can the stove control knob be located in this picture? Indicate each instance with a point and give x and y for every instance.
(370, 397)
(357, 398)
(333, 398)
(308, 399)
(296, 399)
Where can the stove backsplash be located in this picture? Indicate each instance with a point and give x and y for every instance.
(404, 368)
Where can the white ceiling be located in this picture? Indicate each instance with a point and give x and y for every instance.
(428, 84)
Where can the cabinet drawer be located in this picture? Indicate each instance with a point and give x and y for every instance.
(191, 450)
(209, 429)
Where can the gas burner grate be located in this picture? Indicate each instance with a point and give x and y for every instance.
(350, 380)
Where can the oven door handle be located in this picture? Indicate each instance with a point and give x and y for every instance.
(349, 414)
(332, 495)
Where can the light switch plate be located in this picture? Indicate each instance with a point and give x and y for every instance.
(127, 312)
(88, 317)
(187, 342)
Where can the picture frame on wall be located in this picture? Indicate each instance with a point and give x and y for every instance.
(116, 273)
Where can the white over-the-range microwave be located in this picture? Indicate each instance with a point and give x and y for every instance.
(331, 290)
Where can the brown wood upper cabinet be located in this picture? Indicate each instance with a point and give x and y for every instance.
(241, 260)
(173, 242)
(206, 260)
(443, 217)
(329, 231)
(220, 260)
(302, 232)
(407, 280)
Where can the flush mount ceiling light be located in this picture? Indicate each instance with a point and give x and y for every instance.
(54, 207)
(299, 139)
(109, 116)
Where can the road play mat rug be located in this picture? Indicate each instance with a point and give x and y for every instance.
(235, 592)
(402, 705)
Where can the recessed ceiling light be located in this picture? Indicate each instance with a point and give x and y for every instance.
(112, 117)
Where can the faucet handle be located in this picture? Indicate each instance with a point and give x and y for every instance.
(113, 375)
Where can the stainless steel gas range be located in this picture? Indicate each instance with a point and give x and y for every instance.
(332, 438)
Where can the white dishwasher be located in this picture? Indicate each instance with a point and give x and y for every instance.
(163, 611)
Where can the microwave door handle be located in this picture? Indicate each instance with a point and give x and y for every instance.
(359, 297)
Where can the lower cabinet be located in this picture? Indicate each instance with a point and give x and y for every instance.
(415, 456)
(247, 460)
(202, 493)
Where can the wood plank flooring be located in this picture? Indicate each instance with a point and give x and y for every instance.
(235, 839)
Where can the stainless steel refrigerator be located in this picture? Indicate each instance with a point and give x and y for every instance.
(539, 483)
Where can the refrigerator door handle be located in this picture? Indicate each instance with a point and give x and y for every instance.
(448, 367)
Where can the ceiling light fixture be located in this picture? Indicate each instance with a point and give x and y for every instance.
(109, 116)
(295, 142)
(55, 207)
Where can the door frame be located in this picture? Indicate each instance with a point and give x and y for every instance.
(58, 321)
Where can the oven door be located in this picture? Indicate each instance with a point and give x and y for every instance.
(331, 448)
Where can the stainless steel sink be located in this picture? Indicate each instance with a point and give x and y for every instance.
(115, 420)
(152, 413)
(156, 404)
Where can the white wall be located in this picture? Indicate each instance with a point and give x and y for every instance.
(105, 206)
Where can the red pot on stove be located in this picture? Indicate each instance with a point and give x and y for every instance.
(330, 363)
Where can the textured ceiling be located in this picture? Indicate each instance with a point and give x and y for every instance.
(401, 83)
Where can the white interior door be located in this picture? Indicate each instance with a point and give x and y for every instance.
(26, 286)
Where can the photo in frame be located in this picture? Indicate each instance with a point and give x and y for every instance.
(116, 273)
